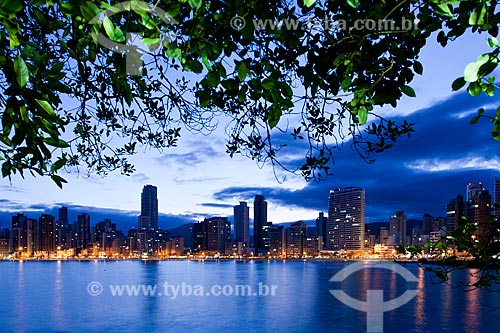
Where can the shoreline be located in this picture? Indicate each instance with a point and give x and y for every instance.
(204, 259)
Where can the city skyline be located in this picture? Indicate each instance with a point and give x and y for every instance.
(343, 230)
(131, 219)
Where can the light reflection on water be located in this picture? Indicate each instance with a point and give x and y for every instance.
(52, 296)
(419, 303)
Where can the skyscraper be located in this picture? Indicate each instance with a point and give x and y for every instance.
(83, 231)
(321, 230)
(213, 235)
(18, 242)
(346, 219)
(259, 222)
(32, 236)
(241, 223)
(482, 211)
(397, 227)
(48, 228)
(63, 214)
(427, 223)
(455, 211)
(62, 227)
(149, 205)
(277, 239)
(295, 239)
(472, 189)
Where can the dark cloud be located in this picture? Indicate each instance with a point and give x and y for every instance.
(215, 205)
(12, 205)
(201, 154)
(393, 182)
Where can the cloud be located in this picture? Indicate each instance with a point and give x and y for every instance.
(179, 180)
(140, 178)
(469, 113)
(215, 205)
(14, 206)
(277, 196)
(466, 163)
(7, 188)
(197, 156)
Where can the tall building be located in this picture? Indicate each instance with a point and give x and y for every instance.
(321, 230)
(346, 219)
(295, 239)
(219, 235)
(143, 222)
(143, 244)
(213, 235)
(397, 227)
(478, 205)
(277, 240)
(482, 211)
(18, 241)
(149, 205)
(104, 234)
(32, 237)
(427, 224)
(82, 233)
(62, 227)
(48, 228)
(241, 223)
(471, 190)
(455, 211)
(199, 235)
(63, 215)
(259, 222)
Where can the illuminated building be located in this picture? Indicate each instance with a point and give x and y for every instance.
(346, 219)
(397, 227)
(259, 223)
(241, 223)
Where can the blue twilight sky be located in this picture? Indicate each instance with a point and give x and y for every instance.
(198, 179)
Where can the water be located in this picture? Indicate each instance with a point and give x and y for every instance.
(56, 297)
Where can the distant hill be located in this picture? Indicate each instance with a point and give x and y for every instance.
(412, 223)
(309, 223)
(374, 227)
(184, 231)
